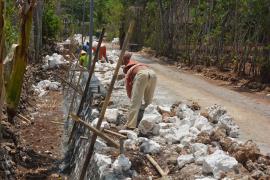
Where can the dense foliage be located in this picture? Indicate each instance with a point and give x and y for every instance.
(51, 23)
(223, 33)
(107, 13)
(11, 24)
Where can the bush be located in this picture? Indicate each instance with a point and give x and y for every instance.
(51, 23)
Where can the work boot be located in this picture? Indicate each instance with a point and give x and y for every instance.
(140, 116)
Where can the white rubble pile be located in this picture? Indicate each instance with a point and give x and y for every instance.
(43, 86)
(180, 130)
(218, 163)
(175, 134)
(77, 38)
(121, 164)
(115, 41)
(54, 61)
(219, 115)
(113, 56)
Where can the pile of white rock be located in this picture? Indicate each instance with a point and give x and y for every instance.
(42, 87)
(178, 131)
(54, 61)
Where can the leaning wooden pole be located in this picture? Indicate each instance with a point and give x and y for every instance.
(106, 102)
(86, 89)
(96, 131)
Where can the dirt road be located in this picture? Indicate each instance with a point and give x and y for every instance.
(251, 114)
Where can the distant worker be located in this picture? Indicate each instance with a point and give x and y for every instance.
(140, 85)
(102, 51)
(86, 47)
(84, 59)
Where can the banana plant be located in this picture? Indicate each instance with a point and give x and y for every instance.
(14, 85)
(2, 47)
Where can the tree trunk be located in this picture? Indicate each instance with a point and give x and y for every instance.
(37, 31)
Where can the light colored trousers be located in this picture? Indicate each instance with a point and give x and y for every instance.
(144, 85)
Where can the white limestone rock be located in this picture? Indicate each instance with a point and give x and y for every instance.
(166, 125)
(102, 161)
(199, 151)
(150, 147)
(187, 140)
(208, 128)
(149, 127)
(200, 121)
(99, 145)
(111, 115)
(226, 121)
(173, 119)
(151, 109)
(54, 61)
(183, 111)
(121, 164)
(218, 163)
(215, 112)
(175, 134)
(104, 124)
(130, 134)
(184, 159)
(130, 144)
(43, 86)
(95, 113)
(194, 131)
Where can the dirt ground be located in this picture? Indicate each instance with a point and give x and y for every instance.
(250, 111)
(44, 135)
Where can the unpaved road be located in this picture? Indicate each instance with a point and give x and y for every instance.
(251, 114)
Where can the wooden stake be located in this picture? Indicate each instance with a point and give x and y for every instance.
(87, 86)
(95, 131)
(24, 118)
(115, 133)
(123, 109)
(156, 165)
(54, 122)
(106, 102)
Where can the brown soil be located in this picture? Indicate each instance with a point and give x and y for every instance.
(34, 144)
(45, 134)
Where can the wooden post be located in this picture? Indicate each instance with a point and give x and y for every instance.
(86, 89)
(106, 102)
(74, 95)
(95, 131)
(156, 165)
(115, 133)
